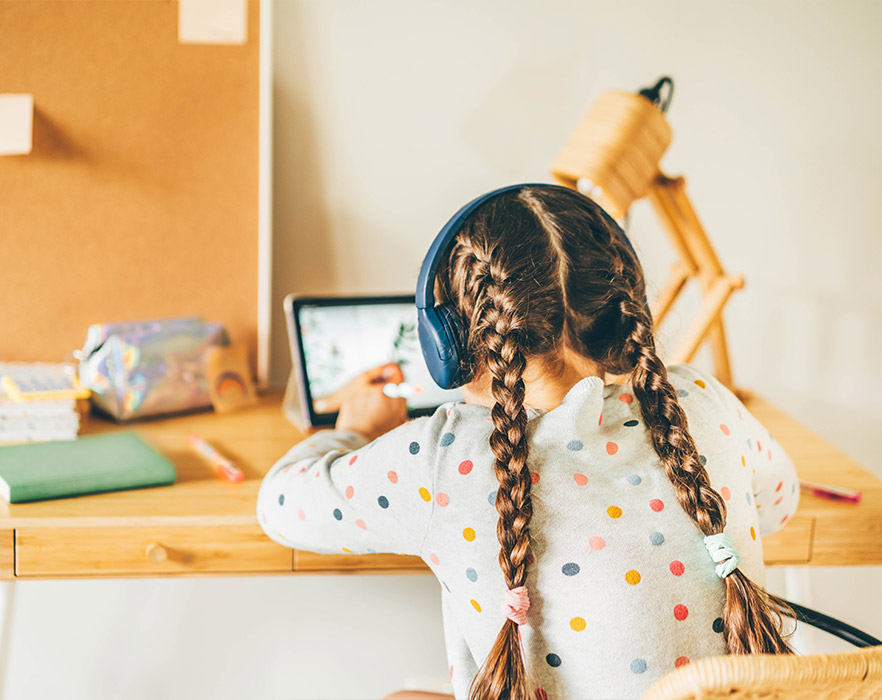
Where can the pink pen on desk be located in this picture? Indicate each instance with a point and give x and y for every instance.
(834, 493)
(224, 466)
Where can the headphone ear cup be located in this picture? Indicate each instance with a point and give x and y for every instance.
(456, 341)
(441, 335)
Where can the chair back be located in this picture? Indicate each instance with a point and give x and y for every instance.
(852, 675)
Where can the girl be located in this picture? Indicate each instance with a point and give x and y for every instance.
(611, 531)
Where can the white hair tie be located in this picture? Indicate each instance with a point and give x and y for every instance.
(722, 551)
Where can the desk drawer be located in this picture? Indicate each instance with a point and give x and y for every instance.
(145, 551)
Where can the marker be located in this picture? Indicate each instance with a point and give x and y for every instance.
(224, 466)
(834, 493)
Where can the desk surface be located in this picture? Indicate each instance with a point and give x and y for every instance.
(205, 526)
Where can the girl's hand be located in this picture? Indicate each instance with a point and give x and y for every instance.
(365, 409)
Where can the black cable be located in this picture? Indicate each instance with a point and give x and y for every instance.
(653, 94)
(837, 628)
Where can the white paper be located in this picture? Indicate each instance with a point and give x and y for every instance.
(212, 21)
(16, 124)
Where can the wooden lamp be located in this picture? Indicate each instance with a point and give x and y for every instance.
(613, 157)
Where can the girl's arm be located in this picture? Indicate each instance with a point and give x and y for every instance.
(335, 492)
(775, 492)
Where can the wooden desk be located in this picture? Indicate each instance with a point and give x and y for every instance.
(204, 526)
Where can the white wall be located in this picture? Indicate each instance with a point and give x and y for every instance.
(388, 116)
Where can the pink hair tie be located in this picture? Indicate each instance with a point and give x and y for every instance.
(515, 603)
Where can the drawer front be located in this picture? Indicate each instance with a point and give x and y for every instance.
(792, 544)
(145, 551)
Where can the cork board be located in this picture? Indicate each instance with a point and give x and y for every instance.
(140, 196)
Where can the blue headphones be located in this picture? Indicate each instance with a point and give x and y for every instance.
(441, 332)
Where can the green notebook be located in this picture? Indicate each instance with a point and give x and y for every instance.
(94, 464)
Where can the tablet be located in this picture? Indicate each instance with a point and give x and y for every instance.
(334, 339)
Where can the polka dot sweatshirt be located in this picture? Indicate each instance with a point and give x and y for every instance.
(622, 589)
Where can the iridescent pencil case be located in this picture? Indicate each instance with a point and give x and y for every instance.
(149, 368)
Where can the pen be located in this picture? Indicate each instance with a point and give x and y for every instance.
(834, 493)
(224, 466)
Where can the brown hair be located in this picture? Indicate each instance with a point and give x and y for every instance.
(535, 271)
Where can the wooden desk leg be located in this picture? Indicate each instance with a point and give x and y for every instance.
(7, 602)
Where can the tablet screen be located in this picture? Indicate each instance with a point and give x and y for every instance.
(341, 338)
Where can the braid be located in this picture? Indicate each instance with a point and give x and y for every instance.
(503, 674)
(752, 617)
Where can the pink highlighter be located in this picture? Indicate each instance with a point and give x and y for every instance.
(834, 493)
(225, 467)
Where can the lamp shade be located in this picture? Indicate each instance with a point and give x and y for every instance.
(617, 148)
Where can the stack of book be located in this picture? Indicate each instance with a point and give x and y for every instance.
(38, 401)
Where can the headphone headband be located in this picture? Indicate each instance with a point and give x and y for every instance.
(425, 289)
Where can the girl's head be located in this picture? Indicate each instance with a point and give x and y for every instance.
(535, 272)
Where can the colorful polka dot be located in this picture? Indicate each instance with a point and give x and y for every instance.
(677, 568)
(414, 448)
(491, 498)
(434, 558)
(626, 397)
(346, 549)
(752, 533)
(393, 477)
(718, 625)
(596, 543)
(338, 514)
(476, 605)
(534, 478)
(631, 423)
(699, 382)
(301, 514)
(724, 428)
(703, 460)
(469, 534)
(352, 459)
(743, 461)
(349, 492)
(570, 569)
(778, 487)
(638, 666)
(552, 660)
(657, 538)
(759, 446)
(424, 494)
(633, 479)
(442, 499)
(577, 624)
(471, 574)
(747, 496)
(465, 467)
(361, 524)
(614, 512)
(681, 661)
(580, 479)
(574, 445)
(657, 505)
(632, 577)
(682, 393)
(281, 499)
(611, 448)
(447, 439)
(383, 502)
(681, 612)
(725, 493)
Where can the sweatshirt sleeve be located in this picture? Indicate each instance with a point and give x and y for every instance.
(774, 478)
(333, 493)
